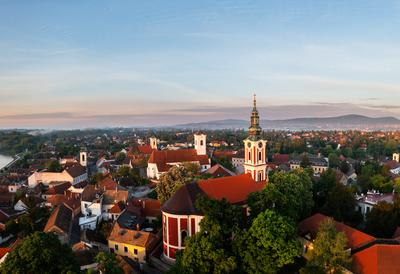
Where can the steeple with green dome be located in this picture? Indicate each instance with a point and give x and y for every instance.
(254, 129)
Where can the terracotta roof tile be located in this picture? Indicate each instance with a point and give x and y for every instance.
(355, 237)
(61, 218)
(133, 237)
(379, 258)
(164, 157)
(219, 171)
(235, 189)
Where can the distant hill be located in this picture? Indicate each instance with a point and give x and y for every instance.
(345, 122)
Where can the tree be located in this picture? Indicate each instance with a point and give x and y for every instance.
(334, 160)
(269, 244)
(172, 180)
(203, 255)
(381, 183)
(289, 194)
(383, 219)
(120, 157)
(108, 263)
(323, 187)
(40, 253)
(340, 204)
(34, 220)
(53, 166)
(305, 161)
(329, 253)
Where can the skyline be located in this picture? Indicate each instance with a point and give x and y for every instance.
(93, 64)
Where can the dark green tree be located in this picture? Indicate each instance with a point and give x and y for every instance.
(323, 187)
(341, 205)
(40, 253)
(269, 244)
(108, 263)
(53, 166)
(383, 219)
(175, 178)
(289, 194)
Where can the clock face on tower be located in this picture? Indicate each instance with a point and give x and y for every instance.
(260, 144)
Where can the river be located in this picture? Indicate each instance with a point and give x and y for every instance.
(4, 160)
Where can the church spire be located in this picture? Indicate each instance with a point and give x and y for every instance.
(254, 129)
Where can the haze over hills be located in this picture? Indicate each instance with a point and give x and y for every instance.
(345, 122)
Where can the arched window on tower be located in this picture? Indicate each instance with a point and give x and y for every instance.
(249, 156)
(201, 142)
(260, 176)
(259, 155)
(83, 157)
(183, 237)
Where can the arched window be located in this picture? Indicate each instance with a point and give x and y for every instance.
(249, 156)
(259, 156)
(83, 157)
(260, 176)
(201, 142)
(183, 237)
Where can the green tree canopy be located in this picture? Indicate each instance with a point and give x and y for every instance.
(108, 263)
(340, 204)
(53, 166)
(40, 253)
(289, 194)
(323, 187)
(172, 180)
(269, 244)
(334, 161)
(383, 219)
(329, 253)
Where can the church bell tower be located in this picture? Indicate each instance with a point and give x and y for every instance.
(255, 148)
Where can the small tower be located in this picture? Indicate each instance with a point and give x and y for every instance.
(396, 157)
(153, 142)
(200, 143)
(255, 149)
(83, 158)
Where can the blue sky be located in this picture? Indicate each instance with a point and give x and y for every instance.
(123, 63)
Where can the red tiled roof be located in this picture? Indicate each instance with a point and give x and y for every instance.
(355, 238)
(109, 184)
(219, 171)
(118, 207)
(224, 153)
(392, 164)
(280, 158)
(4, 251)
(235, 189)
(149, 207)
(145, 149)
(379, 258)
(164, 157)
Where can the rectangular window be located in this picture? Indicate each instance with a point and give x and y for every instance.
(125, 249)
(116, 247)
(135, 251)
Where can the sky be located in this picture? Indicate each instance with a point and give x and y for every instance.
(93, 63)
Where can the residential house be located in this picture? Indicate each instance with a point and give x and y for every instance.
(60, 223)
(74, 174)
